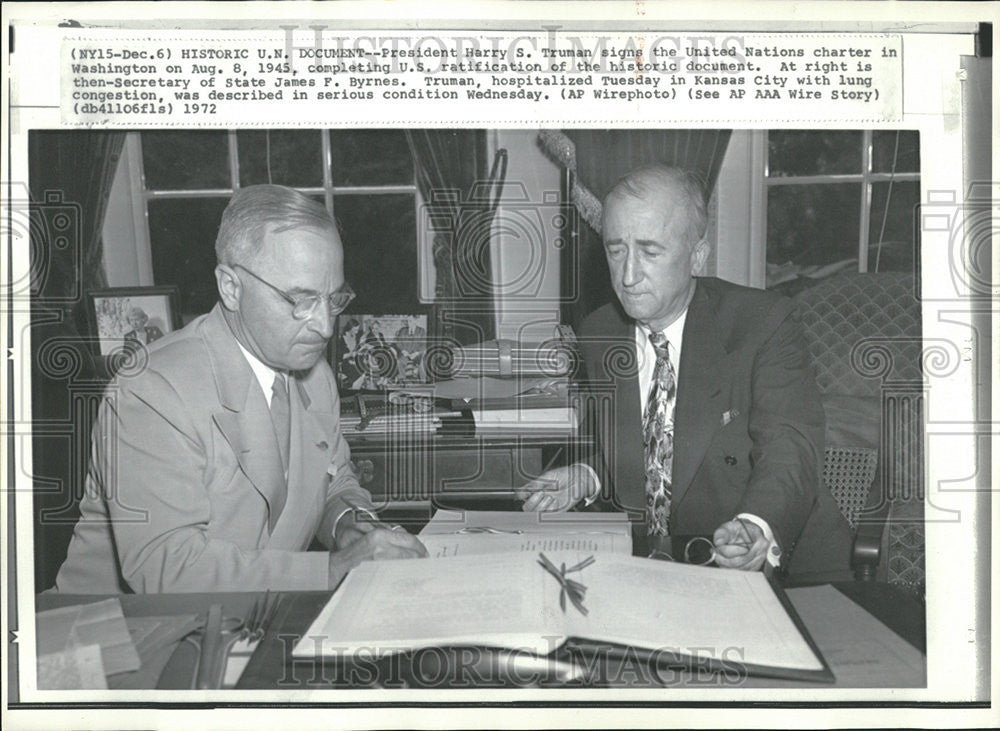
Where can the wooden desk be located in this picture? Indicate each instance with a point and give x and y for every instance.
(409, 475)
(853, 653)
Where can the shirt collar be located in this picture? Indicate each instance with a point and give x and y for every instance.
(262, 372)
(674, 332)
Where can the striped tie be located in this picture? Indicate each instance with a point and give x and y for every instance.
(658, 437)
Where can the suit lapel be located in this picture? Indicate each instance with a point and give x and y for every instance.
(699, 389)
(630, 483)
(244, 418)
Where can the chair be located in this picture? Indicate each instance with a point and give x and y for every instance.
(864, 337)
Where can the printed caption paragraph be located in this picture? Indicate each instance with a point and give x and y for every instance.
(316, 76)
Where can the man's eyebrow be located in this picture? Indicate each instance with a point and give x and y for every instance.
(644, 243)
(303, 290)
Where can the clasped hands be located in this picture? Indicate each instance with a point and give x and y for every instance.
(738, 543)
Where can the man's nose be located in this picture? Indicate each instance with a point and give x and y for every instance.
(321, 320)
(631, 271)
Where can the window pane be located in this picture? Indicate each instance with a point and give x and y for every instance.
(813, 153)
(371, 157)
(899, 238)
(380, 252)
(813, 224)
(294, 156)
(182, 237)
(185, 160)
(907, 154)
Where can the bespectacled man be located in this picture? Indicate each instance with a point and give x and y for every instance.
(215, 467)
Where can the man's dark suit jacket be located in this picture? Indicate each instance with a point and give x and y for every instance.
(748, 425)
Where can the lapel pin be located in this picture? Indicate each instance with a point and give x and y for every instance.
(728, 416)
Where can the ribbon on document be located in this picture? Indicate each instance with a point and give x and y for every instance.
(569, 588)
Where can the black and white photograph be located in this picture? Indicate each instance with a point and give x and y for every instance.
(379, 352)
(133, 316)
(280, 442)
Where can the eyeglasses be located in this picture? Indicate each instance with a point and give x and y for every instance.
(304, 307)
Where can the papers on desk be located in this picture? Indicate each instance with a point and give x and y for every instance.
(94, 646)
(67, 638)
(459, 533)
(508, 600)
(547, 421)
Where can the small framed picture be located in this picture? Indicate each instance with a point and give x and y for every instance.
(379, 352)
(125, 317)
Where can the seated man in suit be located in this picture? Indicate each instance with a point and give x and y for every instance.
(718, 425)
(216, 464)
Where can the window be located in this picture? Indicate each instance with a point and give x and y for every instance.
(365, 177)
(840, 200)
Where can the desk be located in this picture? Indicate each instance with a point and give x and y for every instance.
(410, 474)
(825, 610)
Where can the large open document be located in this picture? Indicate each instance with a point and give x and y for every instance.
(669, 612)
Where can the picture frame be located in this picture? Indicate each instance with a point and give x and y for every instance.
(124, 317)
(377, 353)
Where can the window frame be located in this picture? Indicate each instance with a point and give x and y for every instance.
(142, 195)
(763, 183)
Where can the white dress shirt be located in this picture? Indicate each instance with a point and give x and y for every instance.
(263, 373)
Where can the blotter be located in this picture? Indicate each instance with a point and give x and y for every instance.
(672, 613)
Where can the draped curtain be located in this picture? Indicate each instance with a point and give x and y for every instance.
(70, 179)
(597, 159)
(452, 177)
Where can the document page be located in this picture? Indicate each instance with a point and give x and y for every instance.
(667, 607)
(388, 606)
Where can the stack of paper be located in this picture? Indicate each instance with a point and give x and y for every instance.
(499, 422)
(83, 644)
(455, 533)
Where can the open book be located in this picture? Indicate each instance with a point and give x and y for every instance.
(459, 533)
(668, 611)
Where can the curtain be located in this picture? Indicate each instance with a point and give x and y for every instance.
(597, 159)
(452, 177)
(70, 178)
(70, 172)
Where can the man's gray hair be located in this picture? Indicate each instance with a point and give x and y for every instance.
(258, 209)
(656, 179)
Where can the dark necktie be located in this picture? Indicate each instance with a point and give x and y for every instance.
(658, 437)
(281, 417)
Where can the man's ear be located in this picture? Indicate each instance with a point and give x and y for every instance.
(230, 287)
(699, 257)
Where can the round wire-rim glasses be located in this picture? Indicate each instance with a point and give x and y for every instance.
(304, 307)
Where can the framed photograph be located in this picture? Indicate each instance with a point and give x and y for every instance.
(380, 352)
(131, 316)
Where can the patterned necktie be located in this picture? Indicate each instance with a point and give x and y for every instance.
(658, 437)
(281, 417)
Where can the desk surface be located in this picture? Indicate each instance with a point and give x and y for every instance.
(861, 650)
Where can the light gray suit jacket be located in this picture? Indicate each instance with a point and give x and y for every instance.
(184, 491)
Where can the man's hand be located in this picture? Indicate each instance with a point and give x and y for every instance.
(350, 529)
(557, 490)
(740, 544)
(376, 544)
